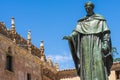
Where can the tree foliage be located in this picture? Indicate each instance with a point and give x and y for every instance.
(114, 50)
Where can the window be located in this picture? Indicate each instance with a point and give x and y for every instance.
(118, 75)
(28, 76)
(9, 62)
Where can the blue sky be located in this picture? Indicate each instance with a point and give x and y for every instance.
(50, 20)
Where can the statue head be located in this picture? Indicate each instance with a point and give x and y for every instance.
(89, 6)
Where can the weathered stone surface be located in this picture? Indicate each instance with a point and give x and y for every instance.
(23, 63)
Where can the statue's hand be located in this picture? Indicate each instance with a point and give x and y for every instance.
(66, 37)
(105, 49)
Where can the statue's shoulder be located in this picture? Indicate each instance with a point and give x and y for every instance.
(98, 16)
(95, 16)
(82, 19)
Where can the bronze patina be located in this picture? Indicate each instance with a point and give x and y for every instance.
(90, 46)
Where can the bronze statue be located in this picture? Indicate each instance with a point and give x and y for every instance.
(90, 46)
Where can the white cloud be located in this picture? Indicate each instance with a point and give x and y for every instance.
(60, 58)
(65, 60)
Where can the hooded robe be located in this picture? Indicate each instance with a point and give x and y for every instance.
(90, 46)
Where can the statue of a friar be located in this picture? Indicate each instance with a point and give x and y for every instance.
(90, 46)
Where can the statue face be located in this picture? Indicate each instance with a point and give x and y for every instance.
(89, 10)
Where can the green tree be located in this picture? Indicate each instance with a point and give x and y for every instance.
(114, 50)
